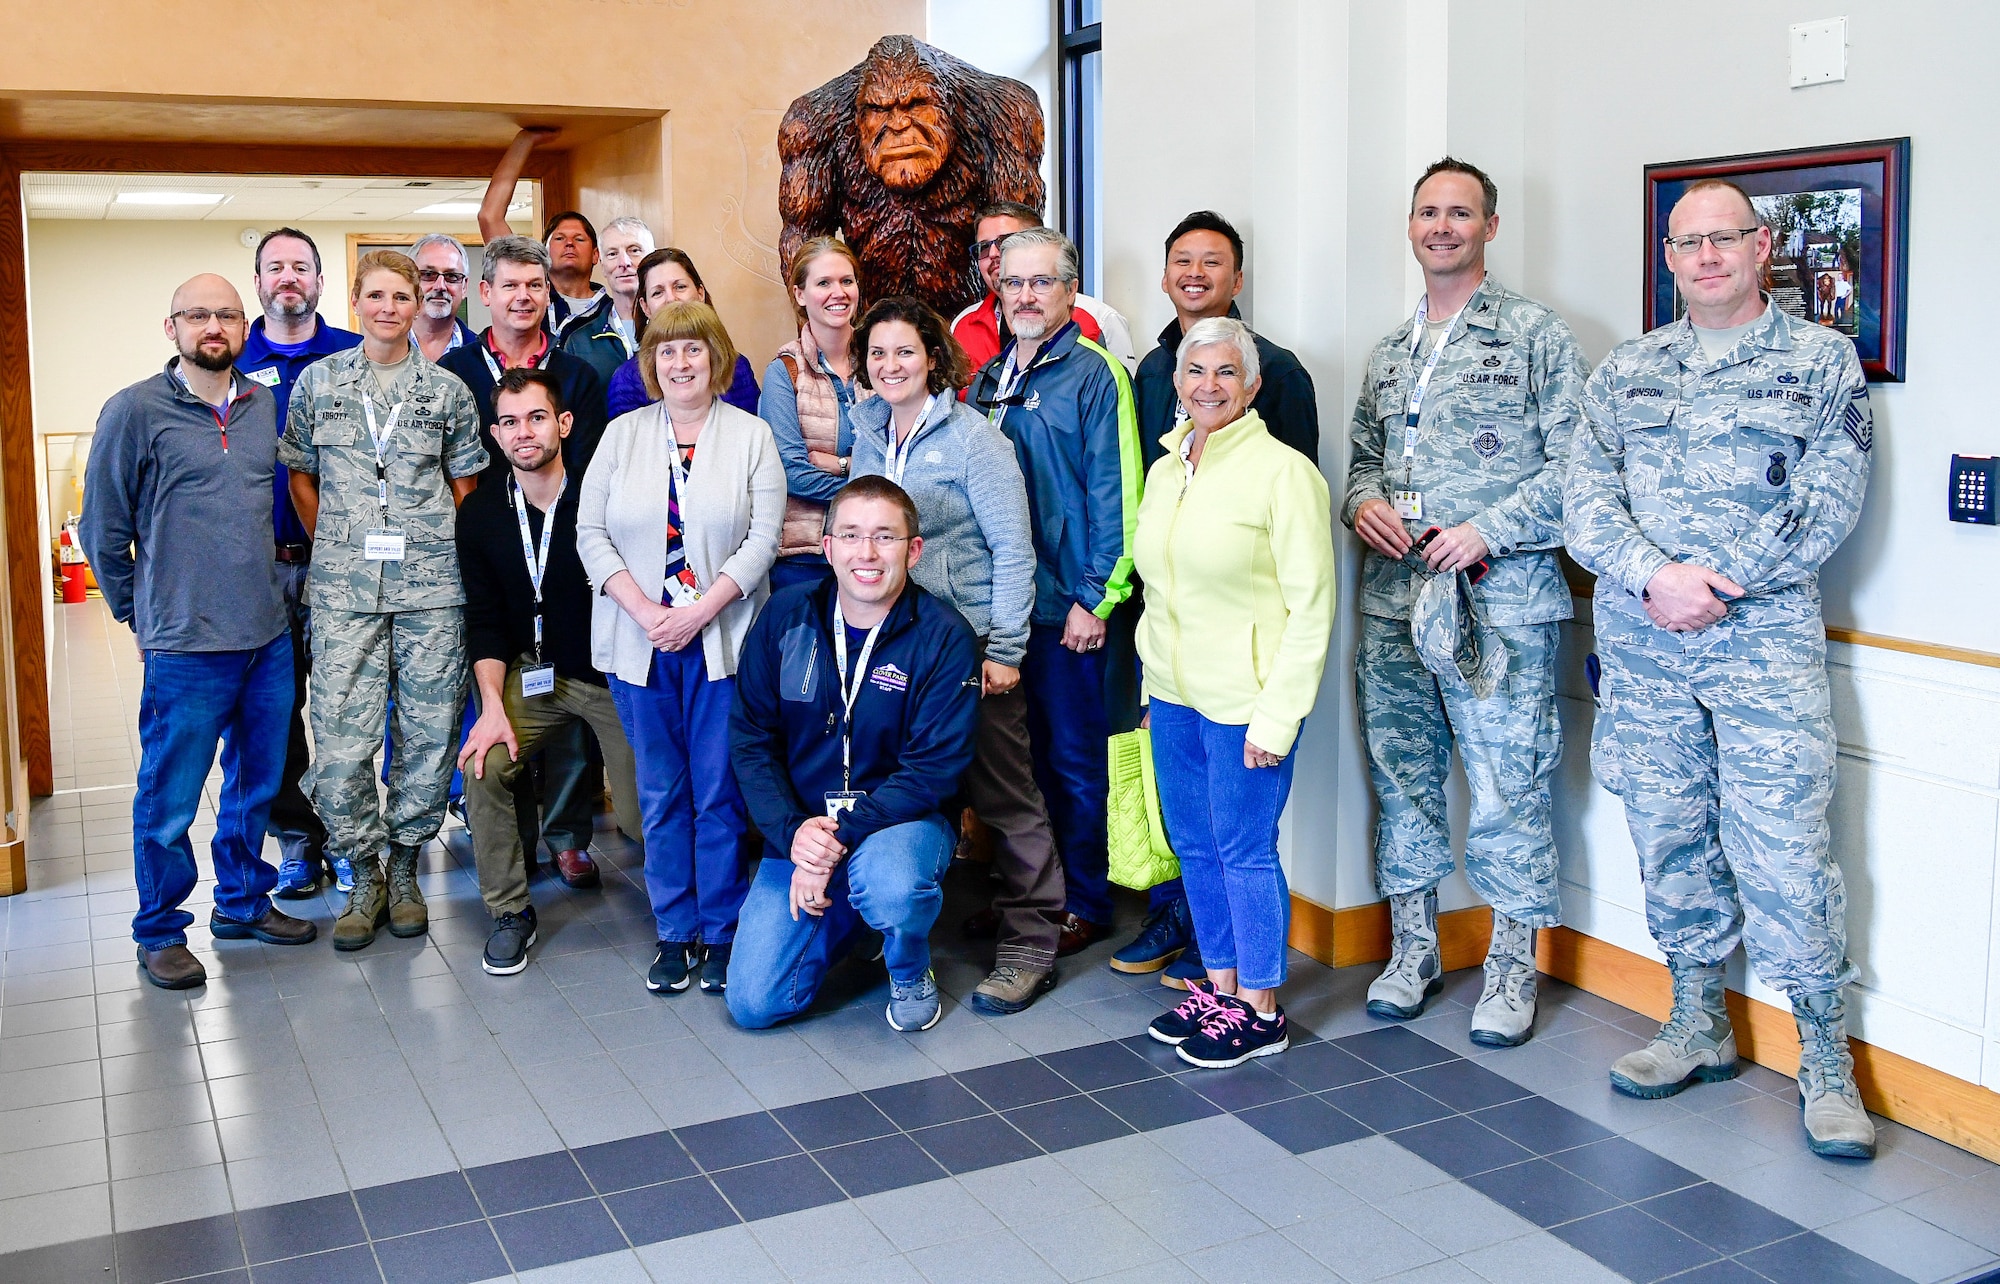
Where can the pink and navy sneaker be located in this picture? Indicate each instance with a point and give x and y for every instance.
(1231, 1033)
(1184, 1022)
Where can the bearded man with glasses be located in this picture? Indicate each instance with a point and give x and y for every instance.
(443, 269)
(1723, 457)
(982, 329)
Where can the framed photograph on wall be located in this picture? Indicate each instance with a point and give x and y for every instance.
(1839, 220)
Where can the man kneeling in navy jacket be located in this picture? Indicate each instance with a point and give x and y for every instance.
(856, 703)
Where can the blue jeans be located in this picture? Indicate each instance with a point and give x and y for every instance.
(1222, 819)
(189, 701)
(889, 881)
(801, 568)
(1067, 728)
(678, 726)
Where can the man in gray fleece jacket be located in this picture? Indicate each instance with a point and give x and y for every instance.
(177, 525)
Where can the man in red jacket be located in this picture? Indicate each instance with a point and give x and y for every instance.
(981, 330)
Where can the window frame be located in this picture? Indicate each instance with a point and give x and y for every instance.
(1078, 114)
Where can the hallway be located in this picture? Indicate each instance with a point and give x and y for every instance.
(398, 1115)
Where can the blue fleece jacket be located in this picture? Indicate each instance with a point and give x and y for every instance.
(913, 721)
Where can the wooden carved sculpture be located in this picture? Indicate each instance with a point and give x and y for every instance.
(897, 155)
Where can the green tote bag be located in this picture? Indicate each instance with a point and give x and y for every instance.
(1140, 856)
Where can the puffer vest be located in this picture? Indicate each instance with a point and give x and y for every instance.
(819, 424)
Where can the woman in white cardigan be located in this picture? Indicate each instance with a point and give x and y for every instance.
(677, 527)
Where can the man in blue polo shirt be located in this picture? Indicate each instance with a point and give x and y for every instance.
(289, 337)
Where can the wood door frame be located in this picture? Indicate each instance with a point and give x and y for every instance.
(19, 486)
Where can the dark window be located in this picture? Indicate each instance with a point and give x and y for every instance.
(1081, 182)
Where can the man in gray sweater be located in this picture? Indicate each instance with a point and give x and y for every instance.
(177, 525)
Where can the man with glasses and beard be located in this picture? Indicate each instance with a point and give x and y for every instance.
(443, 269)
(290, 336)
(981, 329)
(175, 523)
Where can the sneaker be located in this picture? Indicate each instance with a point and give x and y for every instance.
(715, 970)
(1168, 931)
(1176, 1027)
(1010, 989)
(1185, 970)
(673, 967)
(1232, 1033)
(298, 877)
(914, 1005)
(343, 874)
(507, 948)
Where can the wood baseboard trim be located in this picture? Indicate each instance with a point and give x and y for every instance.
(1893, 1086)
(1937, 650)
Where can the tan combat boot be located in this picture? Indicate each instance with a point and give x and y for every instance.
(407, 913)
(1505, 1015)
(1415, 970)
(367, 906)
(1836, 1123)
(1696, 1045)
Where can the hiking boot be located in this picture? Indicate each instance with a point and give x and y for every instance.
(1184, 1022)
(407, 913)
(172, 967)
(1836, 1122)
(1168, 931)
(273, 927)
(914, 1005)
(1415, 971)
(367, 907)
(715, 970)
(507, 948)
(341, 871)
(1696, 1045)
(1505, 1014)
(1010, 988)
(1231, 1033)
(673, 967)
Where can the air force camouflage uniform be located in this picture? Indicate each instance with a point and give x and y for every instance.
(381, 622)
(1720, 741)
(1492, 438)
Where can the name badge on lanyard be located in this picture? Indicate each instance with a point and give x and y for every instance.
(895, 459)
(845, 798)
(383, 543)
(538, 678)
(1409, 501)
(677, 591)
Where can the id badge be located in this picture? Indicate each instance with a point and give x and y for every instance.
(1410, 505)
(538, 679)
(681, 593)
(843, 800)
(383, 546)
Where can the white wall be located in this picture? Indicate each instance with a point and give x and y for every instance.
(1327, 110)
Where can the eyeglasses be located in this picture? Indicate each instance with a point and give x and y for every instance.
(1032, 284)
(430, 276)
(853, 539)
(200, 316)
(1727, 238)
(980, 249)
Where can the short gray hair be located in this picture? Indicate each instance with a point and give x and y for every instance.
(439, 238)
(635, 227)
(513, 249)
(1211, 331)
(1027, 236)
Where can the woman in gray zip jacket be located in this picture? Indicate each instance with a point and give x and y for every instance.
(978, 555)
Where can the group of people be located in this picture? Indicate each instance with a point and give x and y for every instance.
(813, 628)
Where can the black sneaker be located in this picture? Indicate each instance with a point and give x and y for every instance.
(507, 948)
(1184, 1022)
(673, 967)
(715, 969)
(1232, 1033)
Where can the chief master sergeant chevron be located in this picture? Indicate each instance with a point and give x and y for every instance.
(1722, 459)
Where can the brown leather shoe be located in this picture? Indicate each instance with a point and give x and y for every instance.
(576, 867)
(1077, 934)
(274, 928)
(172, 968)
(983, 926)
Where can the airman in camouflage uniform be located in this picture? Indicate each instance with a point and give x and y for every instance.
(1733, 460)
(1489, 447)
(383, 625)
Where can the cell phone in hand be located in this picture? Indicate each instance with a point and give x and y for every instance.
(1473, 573)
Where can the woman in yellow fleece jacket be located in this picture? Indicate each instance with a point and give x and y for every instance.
(1235, 544)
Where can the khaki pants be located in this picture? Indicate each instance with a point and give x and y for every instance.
(489, 800)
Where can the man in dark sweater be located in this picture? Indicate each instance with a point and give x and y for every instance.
(527, 626)
(856, 703)
(177, 524)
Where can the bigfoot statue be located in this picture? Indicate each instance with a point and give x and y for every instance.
(897, 156)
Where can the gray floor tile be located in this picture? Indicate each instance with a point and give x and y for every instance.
(1027, 1191)
(1455, 1218)
(1091, 1242)
(1908, 1245)
(1194, 1216)
(834, 1236)
(1126, 1166)
(1799, 1187)
(1284, 1192)
(1375, 1168)
(57, 1124)
(156, 1200)
(54, 1217)
(935, 1212)
(1537, 1259)
(731, 1253)
(167, 1150)
(995, 1255)
(609, 1268)
(1703, 1146)
(1968, 1209)
(1362, 1244)
(1218, 1144)
(1269, 1256)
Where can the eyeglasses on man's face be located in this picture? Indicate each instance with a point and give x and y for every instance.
(981, 249)
(431, 276)
(200, 316)
(1727, 238)
(1012, 285)
(881, 540)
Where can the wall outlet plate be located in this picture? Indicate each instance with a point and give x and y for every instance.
(1819, 52)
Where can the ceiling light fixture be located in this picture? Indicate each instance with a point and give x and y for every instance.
(450, 209)
(171, 198)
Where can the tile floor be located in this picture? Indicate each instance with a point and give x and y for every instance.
(398, 1115)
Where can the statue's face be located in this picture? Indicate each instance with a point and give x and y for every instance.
(904, 135)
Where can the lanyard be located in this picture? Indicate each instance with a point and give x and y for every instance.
(1422, 385)
(538, 562)
(382, 438)
(540, 357)
(849, 695)
(676, 467)
(221, 415)
(897, 458)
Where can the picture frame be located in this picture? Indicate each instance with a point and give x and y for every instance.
(1839, 218)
